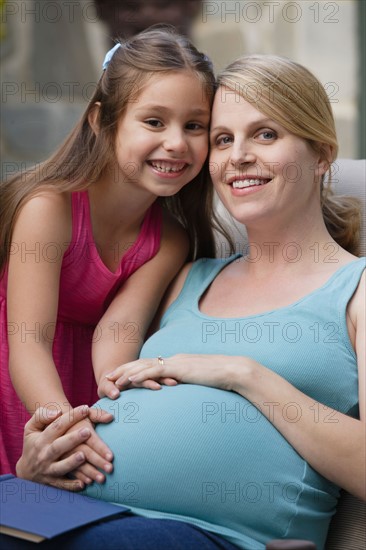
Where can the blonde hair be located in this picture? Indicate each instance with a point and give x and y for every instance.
(84, 156)
(292, 96)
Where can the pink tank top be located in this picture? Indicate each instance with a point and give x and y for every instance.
(87, 287)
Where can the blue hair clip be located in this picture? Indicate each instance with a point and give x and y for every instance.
(109, 56)
(208, 60)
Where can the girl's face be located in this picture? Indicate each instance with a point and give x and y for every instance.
(162, 137)
(260, 170)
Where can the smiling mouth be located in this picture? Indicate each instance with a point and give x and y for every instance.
(166, 167)
(242, 184)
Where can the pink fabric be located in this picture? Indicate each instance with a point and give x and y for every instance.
(87, 287)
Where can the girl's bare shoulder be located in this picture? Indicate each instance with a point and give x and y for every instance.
(46, 214)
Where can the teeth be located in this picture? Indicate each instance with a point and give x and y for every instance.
(167, 167)
(240, 184)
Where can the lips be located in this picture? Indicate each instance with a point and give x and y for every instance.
(242, 182)
(168, 166)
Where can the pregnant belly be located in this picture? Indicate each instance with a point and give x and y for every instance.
(199, 452)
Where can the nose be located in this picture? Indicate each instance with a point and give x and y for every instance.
(241, 153)
(175, 141)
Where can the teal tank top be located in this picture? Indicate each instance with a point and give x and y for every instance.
(210, 457)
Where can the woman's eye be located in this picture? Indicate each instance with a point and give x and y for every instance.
(153, 122)
(223, 140)
(267, 135)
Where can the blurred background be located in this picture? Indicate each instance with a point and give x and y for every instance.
(52, 52)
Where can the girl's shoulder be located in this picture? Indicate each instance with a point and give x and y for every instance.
(49, 199)
(48, 214)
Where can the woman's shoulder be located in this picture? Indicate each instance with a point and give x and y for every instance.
(356, 306)
(200, 269)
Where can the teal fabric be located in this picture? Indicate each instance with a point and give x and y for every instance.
(208, 456)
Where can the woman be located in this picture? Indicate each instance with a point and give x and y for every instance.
(262, 429)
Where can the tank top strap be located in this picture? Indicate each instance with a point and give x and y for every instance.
(81, 221)
(343, 286)
(330, 301)
(81, 224)
(202, 273)
(346, 281)
(199, 278)
(336, 293)
(152, 228)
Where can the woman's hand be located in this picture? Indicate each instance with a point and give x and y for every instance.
(217, 371)
(47, 441)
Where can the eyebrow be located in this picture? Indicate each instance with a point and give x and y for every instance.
(219, 129)
(259, 121)
(161, 108)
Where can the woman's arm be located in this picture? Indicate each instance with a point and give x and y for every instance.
(122, 330)
(333, 443)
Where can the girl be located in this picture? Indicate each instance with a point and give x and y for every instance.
(87, 249)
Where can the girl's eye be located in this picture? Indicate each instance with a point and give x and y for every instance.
(153, 122)
(195, 126)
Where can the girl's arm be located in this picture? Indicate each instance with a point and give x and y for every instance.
(41, 235)
(121, 331)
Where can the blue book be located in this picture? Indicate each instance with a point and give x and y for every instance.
(35, 512)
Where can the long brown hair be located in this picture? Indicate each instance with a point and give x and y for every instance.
(291, 95)
(83, 156)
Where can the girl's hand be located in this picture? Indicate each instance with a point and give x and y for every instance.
(217, 371)
(47, 440)
(107, 388)
(97, 455)
(112, 381)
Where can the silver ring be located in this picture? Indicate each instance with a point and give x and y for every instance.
(160, 361)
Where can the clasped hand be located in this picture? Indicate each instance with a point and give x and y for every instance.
(55, 445)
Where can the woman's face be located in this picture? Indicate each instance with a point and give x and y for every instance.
(260, 170)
